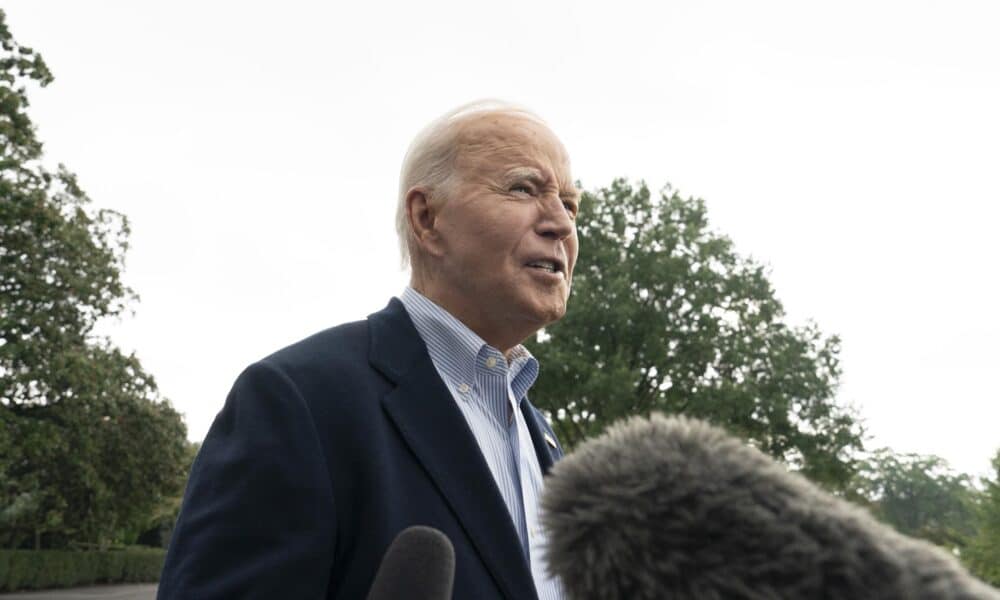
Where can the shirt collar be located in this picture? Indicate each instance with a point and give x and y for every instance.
(455, 349)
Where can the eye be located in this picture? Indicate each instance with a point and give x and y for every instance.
(525, 188)
(570, 208)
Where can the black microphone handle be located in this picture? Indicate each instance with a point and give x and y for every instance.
(419, 565)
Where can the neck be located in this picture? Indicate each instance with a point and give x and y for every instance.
(502, 336)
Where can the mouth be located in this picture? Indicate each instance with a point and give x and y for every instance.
(549, 265)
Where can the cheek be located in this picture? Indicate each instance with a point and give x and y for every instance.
(491, 254)
(573, 252)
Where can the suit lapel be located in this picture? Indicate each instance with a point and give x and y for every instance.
(435, 430)
(546, 454)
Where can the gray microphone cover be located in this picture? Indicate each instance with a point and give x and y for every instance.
(419, 565)
(676, 508)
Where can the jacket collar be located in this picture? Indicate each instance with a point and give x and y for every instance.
(433, 426)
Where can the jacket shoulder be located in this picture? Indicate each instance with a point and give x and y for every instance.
(341, 344)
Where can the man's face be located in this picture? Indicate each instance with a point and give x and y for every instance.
(507, 229)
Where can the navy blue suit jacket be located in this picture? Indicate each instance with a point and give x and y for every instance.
(323, 452)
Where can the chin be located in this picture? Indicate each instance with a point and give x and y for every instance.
(558, 313)
(537, 311)
(550, 313)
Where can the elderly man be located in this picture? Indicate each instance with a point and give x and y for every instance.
(419, 415)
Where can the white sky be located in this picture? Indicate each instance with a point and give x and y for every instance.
(853, 147)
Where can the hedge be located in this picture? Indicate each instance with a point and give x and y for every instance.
(40, 569)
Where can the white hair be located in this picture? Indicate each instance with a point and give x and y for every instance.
(429, 159)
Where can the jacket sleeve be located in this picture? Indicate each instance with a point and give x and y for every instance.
(257, 519)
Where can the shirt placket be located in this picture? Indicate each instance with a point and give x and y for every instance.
(492, 376)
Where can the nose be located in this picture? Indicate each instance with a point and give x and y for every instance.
(554, 222)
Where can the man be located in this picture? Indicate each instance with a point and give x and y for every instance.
(327, 449)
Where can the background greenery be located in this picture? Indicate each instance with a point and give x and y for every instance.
(666, 316)
(41, 569)
(89, 453)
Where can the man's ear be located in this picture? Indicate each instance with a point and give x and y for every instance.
(421, 211)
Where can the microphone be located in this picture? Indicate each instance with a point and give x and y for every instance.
(419, 565)
(676, 508)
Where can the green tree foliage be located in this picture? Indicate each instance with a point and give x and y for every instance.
(666, 316)
(919, 496)
(982, 555)
(158, 526)
(86, 444)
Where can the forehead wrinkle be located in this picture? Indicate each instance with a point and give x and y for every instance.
(486, 134)
(503, 162)
(479, 139)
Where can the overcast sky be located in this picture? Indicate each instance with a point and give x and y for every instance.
(853, 147)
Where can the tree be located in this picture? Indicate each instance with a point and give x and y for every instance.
(86, 442)
(665, 316)
(982, 555)
(920, 496)
(157, 528)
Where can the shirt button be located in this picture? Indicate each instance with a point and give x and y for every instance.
(491, 362)
(464, 388)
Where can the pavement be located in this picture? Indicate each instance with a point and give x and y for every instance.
(142, 591)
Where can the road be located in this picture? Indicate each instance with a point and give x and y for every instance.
(143, 591)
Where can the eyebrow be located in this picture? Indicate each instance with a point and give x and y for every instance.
(535, 176)
(522, 173)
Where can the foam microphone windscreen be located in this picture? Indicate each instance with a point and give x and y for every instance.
(419, 565)
(676, 508)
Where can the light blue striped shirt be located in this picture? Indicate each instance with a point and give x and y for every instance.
(489, 390)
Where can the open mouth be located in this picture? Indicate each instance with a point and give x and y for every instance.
(549, 265)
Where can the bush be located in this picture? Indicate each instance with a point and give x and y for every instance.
(40, 569)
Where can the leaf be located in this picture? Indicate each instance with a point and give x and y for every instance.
(666, 316)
